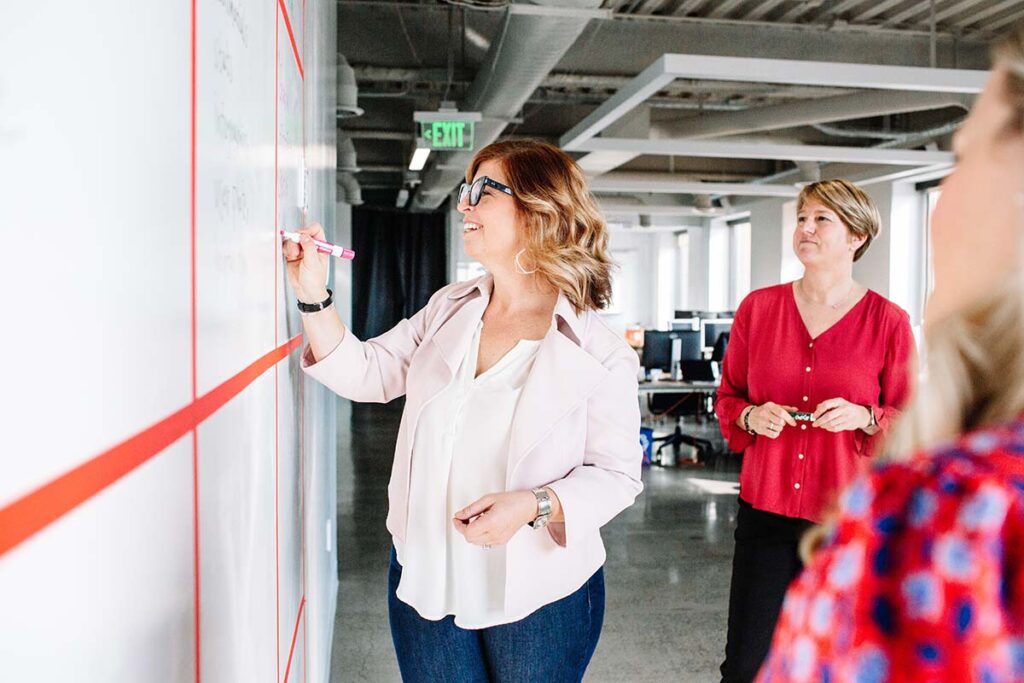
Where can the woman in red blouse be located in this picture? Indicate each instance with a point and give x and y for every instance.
(826, 346)
(920, 576)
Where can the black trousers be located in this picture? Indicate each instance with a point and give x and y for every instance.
(766, 560)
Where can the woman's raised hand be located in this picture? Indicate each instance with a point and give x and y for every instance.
(305, 266)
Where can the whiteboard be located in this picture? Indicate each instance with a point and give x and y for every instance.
(151, 151)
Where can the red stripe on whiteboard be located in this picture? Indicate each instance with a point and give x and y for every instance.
(302, 417)
(291, 37)
(195, 437)
(35, 511)
(295, 634)
(275, 241)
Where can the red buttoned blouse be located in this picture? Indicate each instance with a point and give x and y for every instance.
(864, 358)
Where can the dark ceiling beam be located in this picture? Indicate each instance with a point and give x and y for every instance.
(702, 23)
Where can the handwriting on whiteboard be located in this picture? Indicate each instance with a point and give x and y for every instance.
(237, 20)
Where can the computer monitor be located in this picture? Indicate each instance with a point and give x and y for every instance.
(721, 346)
(684, 324)
(712, 327)
(690, 314)
(658, 351)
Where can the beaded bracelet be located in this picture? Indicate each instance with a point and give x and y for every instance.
(746, 420)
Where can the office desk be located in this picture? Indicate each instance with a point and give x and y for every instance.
(671, 386)
(668, 386)
(695, 435)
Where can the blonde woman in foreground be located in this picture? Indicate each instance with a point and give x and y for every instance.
(920, 575)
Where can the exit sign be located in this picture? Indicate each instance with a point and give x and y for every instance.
(445, 134)
(447, 129)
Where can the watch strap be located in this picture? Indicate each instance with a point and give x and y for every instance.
(316, 308)
(543, 509)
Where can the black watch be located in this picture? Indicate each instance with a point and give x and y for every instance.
(315, 308)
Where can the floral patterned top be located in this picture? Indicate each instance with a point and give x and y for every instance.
(922, 578)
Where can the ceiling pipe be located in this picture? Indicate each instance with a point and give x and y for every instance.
(348, 91)
(347, 154)
(353, 194)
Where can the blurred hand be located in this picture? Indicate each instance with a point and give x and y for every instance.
(839, 415)
(305, 266)
(495, 518)
(769, 419)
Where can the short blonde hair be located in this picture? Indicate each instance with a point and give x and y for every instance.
(566, 235)
(853, 206)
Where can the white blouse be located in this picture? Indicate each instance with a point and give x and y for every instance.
(460, 453)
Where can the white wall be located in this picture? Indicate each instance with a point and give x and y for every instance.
(634, 281)
(767, 220)
(894, 265)
(166, 480)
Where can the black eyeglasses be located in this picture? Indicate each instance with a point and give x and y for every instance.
(475, 190)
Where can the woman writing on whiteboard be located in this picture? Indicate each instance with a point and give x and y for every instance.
(827, 347)
(519, 436)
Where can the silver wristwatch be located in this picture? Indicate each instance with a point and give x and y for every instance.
(543, 509)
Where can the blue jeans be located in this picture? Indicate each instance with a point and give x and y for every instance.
(553, 644)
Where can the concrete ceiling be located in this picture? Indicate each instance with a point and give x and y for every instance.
(410, 55)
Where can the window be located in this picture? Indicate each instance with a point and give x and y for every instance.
(666, 291)
(467, 270)
(624, 280)
(718, 268)
(931, 198)
(740, 242)
(683, 269)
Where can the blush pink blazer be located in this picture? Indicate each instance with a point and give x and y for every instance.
(575, 429)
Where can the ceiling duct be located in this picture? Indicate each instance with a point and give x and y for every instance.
(855, 105)
(347, 154)
(533, 39)
(825, 110)
(348, 91)
(352, 193)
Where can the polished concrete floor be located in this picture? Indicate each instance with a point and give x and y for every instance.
(667, 574)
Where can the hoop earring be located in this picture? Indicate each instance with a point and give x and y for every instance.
(519, 266)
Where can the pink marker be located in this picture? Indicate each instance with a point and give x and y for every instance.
(323, 247)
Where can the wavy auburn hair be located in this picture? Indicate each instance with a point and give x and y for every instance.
(565, 237)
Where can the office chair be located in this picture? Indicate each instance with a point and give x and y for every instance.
(677, 408)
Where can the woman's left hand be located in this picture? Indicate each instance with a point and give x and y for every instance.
(495, 518)
(839, 415)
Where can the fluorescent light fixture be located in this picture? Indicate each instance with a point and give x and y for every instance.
(402, 198)
(419, 159)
